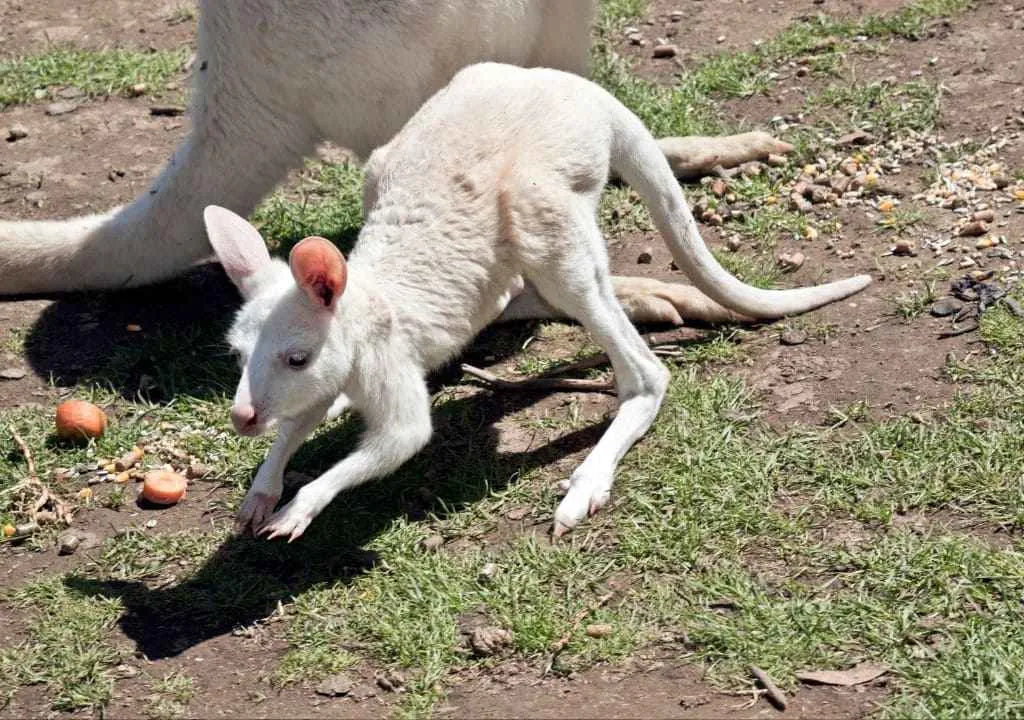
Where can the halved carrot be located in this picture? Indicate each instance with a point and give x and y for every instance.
(162, 487)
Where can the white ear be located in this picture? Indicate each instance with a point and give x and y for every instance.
(238, 245)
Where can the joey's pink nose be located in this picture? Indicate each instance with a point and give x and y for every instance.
(243, 417)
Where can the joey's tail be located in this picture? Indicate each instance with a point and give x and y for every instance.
(637, 157)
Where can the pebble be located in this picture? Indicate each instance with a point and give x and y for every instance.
(645, 257)
(946, 306)
(857, 137)
(793, 336)
(150, 524)
(68, 543)
(904, 248)
(35, 198)
(799, 203)
(776, 160)
(973, 229)
(792, 261)
(487, 641)
(337, 685)
(60, 108)
(986, 242)
(984, 216)
(432, 543)
(12, 373)
(667, 50)
(599, 630)
(16, 132)
(719, 187)
(487, 573)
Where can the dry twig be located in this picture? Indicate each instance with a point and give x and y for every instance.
(539, 383)
(559, 645)
(775, 696)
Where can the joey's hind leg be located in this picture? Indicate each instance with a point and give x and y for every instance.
(578, 284)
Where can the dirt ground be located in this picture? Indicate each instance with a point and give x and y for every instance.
(104, 153)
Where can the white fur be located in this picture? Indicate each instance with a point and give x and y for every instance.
(273, 79)
(492, 187)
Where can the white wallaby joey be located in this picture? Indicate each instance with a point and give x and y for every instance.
(485, 199)
(272, 79)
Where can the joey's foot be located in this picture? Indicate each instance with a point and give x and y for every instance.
(256, 509)
(586, 495)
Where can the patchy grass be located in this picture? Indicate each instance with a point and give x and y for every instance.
(65, 648)
(96, 73)
(171, 695)
(884, 107)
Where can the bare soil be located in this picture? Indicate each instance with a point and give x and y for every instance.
(104, 153)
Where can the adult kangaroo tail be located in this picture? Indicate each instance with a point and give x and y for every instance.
(637, 157)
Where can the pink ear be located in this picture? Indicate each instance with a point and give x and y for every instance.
(319, 269)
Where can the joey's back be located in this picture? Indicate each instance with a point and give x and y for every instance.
(449, 221)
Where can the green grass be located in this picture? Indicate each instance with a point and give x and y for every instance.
(96, 73)
(65, 649)
(886, 108)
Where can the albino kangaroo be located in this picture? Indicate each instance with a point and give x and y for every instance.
(492, 186)
(272, 79)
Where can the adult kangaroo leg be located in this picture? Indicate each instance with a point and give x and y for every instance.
(244, 139)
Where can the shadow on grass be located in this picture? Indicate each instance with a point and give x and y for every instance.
(245, 579)
(155, 342)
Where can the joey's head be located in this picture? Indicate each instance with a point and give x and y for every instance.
(285, 337)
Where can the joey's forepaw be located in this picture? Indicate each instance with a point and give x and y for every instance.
(256, 509)
(290, 521)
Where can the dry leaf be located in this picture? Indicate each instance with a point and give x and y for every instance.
(857, 675)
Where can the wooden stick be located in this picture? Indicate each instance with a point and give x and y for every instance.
(559, 645)
(26, 452)
(540, 383)
(653, 340)
(775, 696)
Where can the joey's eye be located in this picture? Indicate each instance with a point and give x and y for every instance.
(297, 360)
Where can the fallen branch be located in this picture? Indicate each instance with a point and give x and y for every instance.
(26, 452)
(662, 343)
(559, 645)
(44, 505)
(775, 696)
(540, 383)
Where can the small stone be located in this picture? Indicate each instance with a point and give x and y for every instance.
(986, 242)
(776, 160)
(390, 681)
(667, 50)
(792, 262)
(645, 257)
(12, 373)
(197, 470)
(857, 137)
(799, 203)
(946, 306)
(599, 630)
(150, 524)
(338, 685)
(518, 513)
(733, 243)
(819, 195)
(793, 336)
(675, 15)
(487, 573)
(85, 494)
(973, 229)
(886, 206)
(138, 89)
(60, 108)
(637, 39)
(984, 216)
(35, 198)
(433, 543)
(713, 219)
(839, 183)
(68, 543)
(487, 641)
(719, 187)
(16, 132)
(904, 247)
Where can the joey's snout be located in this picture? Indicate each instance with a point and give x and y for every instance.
(245, 419)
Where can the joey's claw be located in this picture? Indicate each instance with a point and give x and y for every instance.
(291, 520)
(256, 509)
